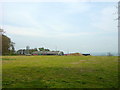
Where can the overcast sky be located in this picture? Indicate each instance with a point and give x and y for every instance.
(83, 27)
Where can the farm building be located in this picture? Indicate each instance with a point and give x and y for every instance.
(21, 52)
(47, 53)
(86, 54)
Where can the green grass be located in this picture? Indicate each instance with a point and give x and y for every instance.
(60, 72)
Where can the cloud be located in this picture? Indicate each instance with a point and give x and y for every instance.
(21, 31)
(104, 21)
(76, 7)
(27, 14)
(35, 32)
(23, 21)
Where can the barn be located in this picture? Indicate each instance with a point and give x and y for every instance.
(47, 53)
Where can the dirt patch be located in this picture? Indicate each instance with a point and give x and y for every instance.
(75, 54)
(81, 61)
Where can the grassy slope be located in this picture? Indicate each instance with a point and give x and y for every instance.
(60, 72)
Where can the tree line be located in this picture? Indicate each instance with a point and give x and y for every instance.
(32, 50)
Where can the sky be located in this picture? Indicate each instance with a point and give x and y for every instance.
(84, 27)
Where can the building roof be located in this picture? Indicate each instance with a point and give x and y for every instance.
(46, 52)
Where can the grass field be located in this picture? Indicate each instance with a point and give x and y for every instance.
(60, 71)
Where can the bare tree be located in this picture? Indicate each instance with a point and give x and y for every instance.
(109, 54)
